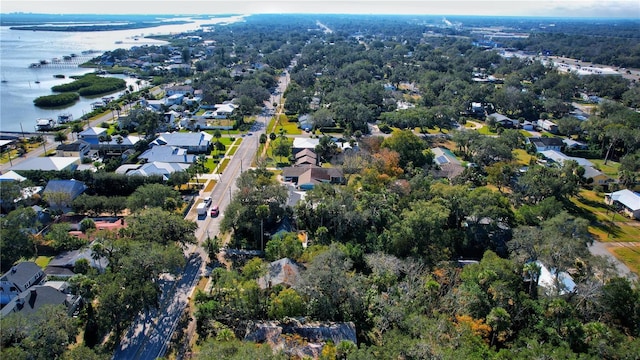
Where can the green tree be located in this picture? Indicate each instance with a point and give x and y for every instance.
(287, 303)
(151, 195)
(410, 147)
(61, 239)
(16, 240)
(60, 136)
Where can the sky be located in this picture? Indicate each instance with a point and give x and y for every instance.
(554, 8)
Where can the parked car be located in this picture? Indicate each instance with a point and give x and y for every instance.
(215, 211)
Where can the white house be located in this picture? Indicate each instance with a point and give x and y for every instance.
(628, 201)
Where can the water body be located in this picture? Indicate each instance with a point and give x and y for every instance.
(22, 84)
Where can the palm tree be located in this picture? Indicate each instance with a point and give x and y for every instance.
(60, 136)
(76, 128)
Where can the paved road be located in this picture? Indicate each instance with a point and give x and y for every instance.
(602, 249)
(151, 332)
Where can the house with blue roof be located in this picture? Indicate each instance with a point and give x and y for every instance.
(61, 193)
(92, 135)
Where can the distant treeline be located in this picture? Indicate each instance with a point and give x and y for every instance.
(609, 50)
(98, 27)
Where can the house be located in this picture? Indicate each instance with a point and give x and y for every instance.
(448, 164)
(171, 154)
(45, 124)
(67, 260)
(157, 168)
(92, 135)
(284, 271)
(23, 275)
(547, 125)
(48, 163)
(193, 142)
(597, 177)
(306, 157)
(179, 89)
(504, 120)
(78, 149)
(574, 145)
(546, 143)
(118, 144)
(305, 122)
(12, 176)
(527, 125)
(174, 99)
(220, 111)
(560, 158)
(30, 301)
(307, 177)
(547, 280)
(627, 200)
(68, 190)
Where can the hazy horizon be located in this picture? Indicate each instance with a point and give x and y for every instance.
(544, 8)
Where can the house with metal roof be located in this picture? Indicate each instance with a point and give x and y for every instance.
(560, 158)
(627, 200)
(157, 168)
(171, 154)
(70, 188)
(193, 142)
(92, 134)
(48, 163)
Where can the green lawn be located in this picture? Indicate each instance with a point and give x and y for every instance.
(605, 225)
(525, 133)
(43, 261)
(223, 165)
(232, 150)
(522, 157)
(610, 169)
(630, 256)
(486, 131)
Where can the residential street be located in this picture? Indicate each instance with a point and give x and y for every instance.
(149, 335)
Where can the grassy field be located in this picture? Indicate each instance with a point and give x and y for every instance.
(522, 157)
(610, 169)
(282, 122)
(630, 256)
(210, 185)
(609, 226)
(486, 131)
(606, 225)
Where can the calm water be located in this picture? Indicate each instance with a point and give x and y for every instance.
(18, 49)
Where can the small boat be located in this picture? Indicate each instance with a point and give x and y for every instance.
(65, 118)
(34, 65)
(66, 57)
(44, 62)
(119, 42)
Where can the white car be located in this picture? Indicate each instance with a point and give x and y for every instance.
(207, 201)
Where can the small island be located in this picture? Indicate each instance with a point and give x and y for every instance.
(86, 85)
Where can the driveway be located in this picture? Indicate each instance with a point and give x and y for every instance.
(603, 249)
